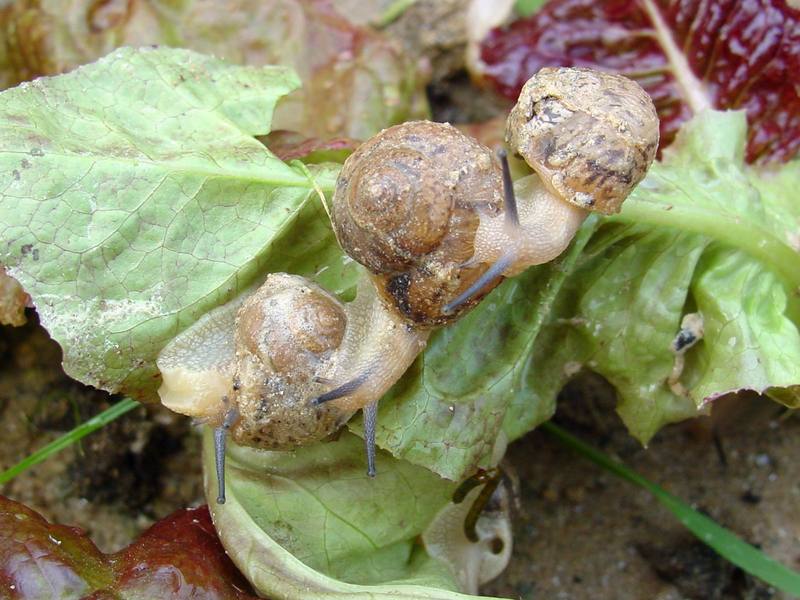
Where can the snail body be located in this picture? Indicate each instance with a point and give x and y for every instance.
(260, 358)
(546, 226)
(437, 224)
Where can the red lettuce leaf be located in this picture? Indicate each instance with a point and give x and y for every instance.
(180, 556)
(290, 145)
(688, 54)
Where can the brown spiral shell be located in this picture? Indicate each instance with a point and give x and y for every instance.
(407, 205)
(591, 136)
(286, 332)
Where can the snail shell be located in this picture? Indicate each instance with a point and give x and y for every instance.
(263, 357)
(407, 205)
(287, 333)
(591, 136)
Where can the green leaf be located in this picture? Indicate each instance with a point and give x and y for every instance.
(135, 198)
(356, 80)
(74, 435)
(703, 233)
(525, 8)
(311, 523)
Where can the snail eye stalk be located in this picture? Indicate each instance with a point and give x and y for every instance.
(370, 414)
(495, 271)
(220, 436)
(343, 390)
(505, 261)
(370, 423)
(508, 190)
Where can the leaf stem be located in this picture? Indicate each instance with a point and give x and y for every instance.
(111, 413)
(724, 542)
(694, 92)
(747, 236)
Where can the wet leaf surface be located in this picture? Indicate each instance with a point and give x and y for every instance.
(140, 204)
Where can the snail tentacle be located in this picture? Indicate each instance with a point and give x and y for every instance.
(343, 390)
(370, 425)
(510, 200)
(220, 437)
(496, 271)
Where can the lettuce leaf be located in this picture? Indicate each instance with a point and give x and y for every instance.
(311, 495)
(134, 198)
(312, 524)
(356, 80)
(44, 560)
(688, 55)
(703, 233)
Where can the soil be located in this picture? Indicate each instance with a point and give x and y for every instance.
(579, 532)
(116, 482)
(582, 533)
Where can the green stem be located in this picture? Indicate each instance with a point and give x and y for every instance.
(739, 233)
(724, 542)
(324, 182)
(393, 12)
(111, 413)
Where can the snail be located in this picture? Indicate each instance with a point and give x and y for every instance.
(437, 224)
(252, 368)
(590, 138)
(422, 209)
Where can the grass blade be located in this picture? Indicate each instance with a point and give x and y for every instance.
(81, 431)
(724, 542)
